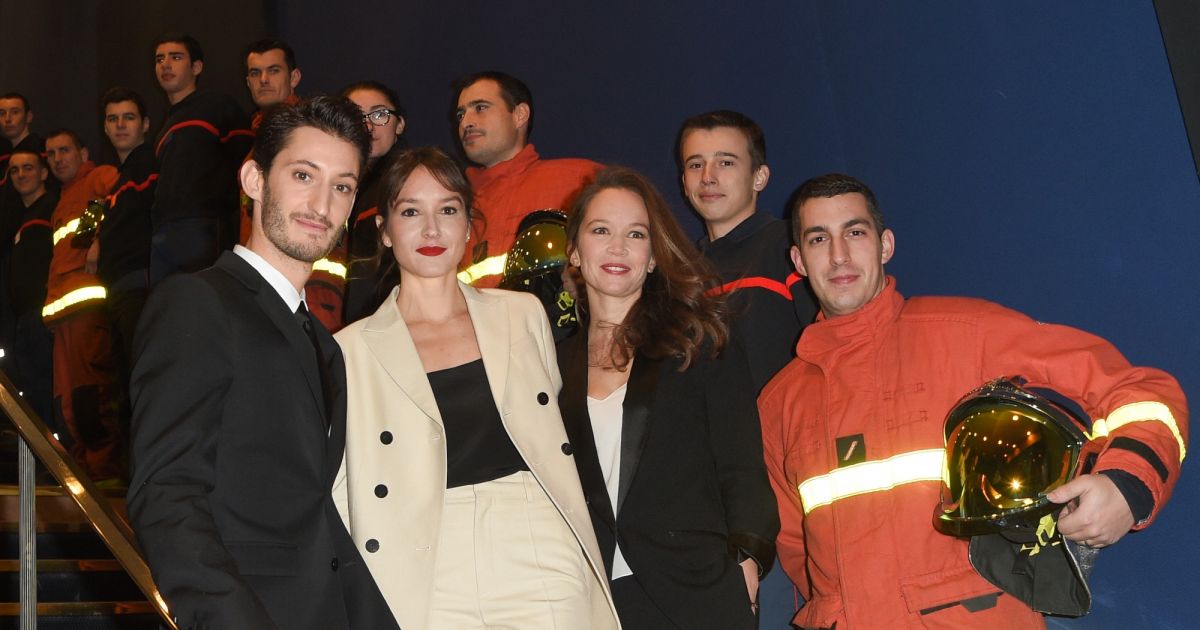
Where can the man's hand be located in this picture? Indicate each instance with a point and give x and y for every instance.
(1095, 513)
(571, 280)
(93, 257)
(750, 571)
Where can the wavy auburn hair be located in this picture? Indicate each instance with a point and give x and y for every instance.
(677, 315)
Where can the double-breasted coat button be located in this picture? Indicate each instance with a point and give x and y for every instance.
(372, 546)
(381, 491)
(566, 448)
(334, 564)
(386, 437)
(543, 399)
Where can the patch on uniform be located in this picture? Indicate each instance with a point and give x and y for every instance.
(851, 449)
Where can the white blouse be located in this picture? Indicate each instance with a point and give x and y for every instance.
(607, 415)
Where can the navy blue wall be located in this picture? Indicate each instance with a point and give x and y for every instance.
(1027, 152)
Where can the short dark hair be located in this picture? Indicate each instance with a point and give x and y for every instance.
(832, 185)
(375, 86)
(270, 43)
(19, 96)
(726, 118)
(512, 90)
(333, 115)
(37, 154)
(63, 131)
(193, 47)
(121, 94)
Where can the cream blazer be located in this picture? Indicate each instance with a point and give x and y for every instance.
(395, 438)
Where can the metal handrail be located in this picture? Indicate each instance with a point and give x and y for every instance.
(112, 529)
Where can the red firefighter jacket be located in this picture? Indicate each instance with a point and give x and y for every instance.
(853, 438)
(505, 194)
(69, 286)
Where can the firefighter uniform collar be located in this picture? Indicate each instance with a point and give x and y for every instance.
(484, 177)
(828, 335)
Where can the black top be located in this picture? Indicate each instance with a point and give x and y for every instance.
(199, 149)
(478, 448)
(28, 263)
(769, 303)
(125, 232)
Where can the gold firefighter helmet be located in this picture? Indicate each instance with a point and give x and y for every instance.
(535, 265)
(1007, 447)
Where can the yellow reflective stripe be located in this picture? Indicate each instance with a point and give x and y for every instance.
(493, 266)
(82, 294)
(924, 465)
(66, 230)
(1146, 411)
(330, 267)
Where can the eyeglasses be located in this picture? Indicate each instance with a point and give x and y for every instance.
(380, 117)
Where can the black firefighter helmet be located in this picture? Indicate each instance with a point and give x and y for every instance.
(1007, 447)
(535, 265)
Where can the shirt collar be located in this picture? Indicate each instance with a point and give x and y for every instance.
(739, 233)
(273, 277)
(483, 177)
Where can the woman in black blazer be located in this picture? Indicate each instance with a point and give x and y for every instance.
(661, 417)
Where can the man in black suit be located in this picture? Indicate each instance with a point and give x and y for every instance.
(239, 405)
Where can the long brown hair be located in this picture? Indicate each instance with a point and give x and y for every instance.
(675, 315)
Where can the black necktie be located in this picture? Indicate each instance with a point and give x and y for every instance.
(305, 320)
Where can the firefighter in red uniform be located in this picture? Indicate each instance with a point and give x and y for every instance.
(853, 430)
(495, 118)
(84, 378)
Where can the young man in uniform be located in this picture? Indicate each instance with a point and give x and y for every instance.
(853, 430)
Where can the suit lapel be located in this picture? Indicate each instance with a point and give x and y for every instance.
(336, 444)
(492, 332)
(276, 311)
(573, 406)
(635, 425)
(391, 344)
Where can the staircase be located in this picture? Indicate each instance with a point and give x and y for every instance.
(80, 584)
(89, 573)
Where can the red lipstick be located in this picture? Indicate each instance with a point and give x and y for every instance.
(430, 250)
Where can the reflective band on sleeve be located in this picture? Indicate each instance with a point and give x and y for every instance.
(66, 230)
(925, 465)
(1140, 412)
(493, 266)
(330, 267)
(81, 294)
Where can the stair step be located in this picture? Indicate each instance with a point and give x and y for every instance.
(114, 615)
(71, 581)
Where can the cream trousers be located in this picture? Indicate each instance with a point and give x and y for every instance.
(507, 561)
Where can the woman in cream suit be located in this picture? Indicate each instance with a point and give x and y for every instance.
(458, 484)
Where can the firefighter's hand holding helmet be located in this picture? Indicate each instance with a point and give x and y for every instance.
(1095, 513)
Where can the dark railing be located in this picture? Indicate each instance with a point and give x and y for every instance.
(37, 440)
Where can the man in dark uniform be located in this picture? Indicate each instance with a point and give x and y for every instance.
(723, 156)
(29, 346)
(123, 265)
(202, 142)
(15, 118)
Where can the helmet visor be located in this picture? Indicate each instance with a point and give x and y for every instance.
(1005, 450)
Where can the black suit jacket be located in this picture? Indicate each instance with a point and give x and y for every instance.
(693, 489)
(232, 465)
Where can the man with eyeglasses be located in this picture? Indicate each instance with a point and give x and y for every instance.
(384, 118)
(495, 118)
(201, 145)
